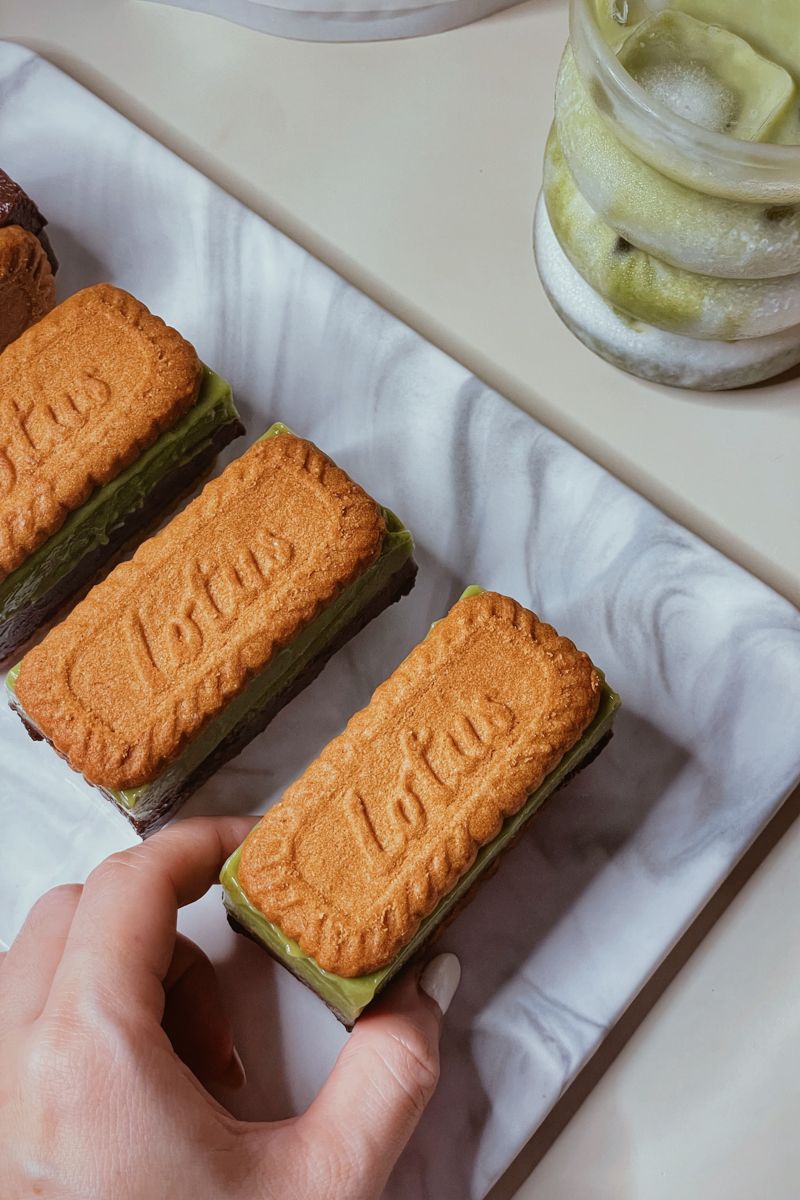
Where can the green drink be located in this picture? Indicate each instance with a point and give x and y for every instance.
(668, 234)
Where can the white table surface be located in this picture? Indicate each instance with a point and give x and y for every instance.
(412, 167)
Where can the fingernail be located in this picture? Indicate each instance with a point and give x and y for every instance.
(235, 1075)
(440, 979)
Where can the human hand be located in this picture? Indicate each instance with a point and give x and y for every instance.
(110, 1023)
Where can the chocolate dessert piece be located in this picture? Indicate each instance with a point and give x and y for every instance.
(27, 287)
(388, 832)
(17, 208)
(173, 663)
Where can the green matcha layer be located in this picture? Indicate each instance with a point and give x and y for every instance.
(349, 997)
(118, 508)
(149, 806)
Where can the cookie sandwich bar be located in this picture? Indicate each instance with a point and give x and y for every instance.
(385, 835)
(107, 416)
(181, 656)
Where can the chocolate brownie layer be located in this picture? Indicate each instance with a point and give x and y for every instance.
(425, 947)
(19, 628)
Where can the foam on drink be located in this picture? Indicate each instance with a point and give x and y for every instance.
(692, 91)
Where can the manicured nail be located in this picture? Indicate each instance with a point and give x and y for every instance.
(440, 979)
(235, 1075)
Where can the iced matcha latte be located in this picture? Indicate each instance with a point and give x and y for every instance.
(667, 234)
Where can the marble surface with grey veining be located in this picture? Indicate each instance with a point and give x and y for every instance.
(706, 658)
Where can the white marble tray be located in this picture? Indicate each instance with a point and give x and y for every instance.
(706, 658)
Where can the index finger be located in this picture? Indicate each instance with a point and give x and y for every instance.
(123, 934)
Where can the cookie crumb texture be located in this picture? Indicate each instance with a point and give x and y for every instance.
(381, 826)
(159, 648)
(82, 394)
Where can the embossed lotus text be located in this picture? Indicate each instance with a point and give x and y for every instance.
(432, 765)
(213, 596)
(37, 426)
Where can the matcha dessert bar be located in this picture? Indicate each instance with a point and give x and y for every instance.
(107, 417)
(176, 660)
(386, 835)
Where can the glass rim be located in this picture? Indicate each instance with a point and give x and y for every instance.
(767, 157)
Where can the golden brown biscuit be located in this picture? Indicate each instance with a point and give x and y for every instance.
(167, 640)
(82, 393)
(27, 286)
(382, 825)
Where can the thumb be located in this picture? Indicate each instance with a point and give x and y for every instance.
(385, 1076)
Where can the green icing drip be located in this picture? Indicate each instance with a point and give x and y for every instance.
(474, 589)
(351, 996)
(94, 523)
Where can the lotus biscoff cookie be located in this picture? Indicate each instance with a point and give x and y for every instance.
(174, 662)
(106, 416)
(383, 835)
